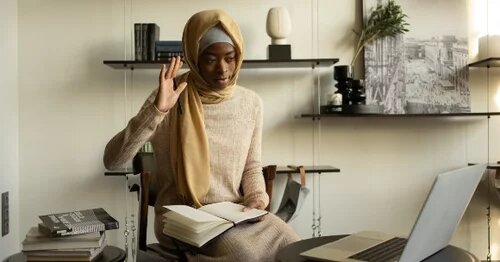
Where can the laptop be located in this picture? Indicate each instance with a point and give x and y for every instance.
(442, 211)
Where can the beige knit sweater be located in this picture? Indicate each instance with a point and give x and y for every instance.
(234, 131)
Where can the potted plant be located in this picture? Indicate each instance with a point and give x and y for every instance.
(384, 20)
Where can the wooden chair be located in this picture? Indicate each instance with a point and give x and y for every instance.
(144, 166)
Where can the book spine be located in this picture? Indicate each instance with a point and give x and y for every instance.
(166, 56)
(168, 43)
(144, 42)
(108, 221)
(153, 35)
(137, 42)
(77, 222)
(168, 49)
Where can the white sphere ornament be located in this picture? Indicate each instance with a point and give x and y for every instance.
(278, 25)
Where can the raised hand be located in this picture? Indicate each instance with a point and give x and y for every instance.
(168, 94)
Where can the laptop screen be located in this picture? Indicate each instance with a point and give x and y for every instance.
(442, 211)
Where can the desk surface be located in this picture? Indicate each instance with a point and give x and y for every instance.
(109, 254)
(291, 252)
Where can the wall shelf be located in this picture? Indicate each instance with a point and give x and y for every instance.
(307, 169)
(294, 63)
(279, 170)
(472, 114)
(119, 172)
(487, 62)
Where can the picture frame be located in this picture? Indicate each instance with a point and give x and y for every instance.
(423, 71)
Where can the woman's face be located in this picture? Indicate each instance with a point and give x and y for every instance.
(217, 64)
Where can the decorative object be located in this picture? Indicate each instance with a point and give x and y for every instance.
(385, 20)
(343, 75)
(279, 27)
(489, 46)
(356, 95)
(424, 70)
(279, 52)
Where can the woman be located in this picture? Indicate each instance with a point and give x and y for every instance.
(206, 135)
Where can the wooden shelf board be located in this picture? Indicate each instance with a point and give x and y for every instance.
(494, 166)
(119, 172)
(294, 63)
(308, 169)
(279, 170)
(487, 62)
(472, 114)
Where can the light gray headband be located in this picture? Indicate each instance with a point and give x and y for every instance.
(212, 36)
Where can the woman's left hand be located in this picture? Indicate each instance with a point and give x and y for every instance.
(258, 204)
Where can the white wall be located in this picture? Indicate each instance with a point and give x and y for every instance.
(9, 121)
(71, 105)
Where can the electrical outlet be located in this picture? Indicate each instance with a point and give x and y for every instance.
(5, 213)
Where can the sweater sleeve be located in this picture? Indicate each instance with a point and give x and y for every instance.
(254, 187)
(124, 145)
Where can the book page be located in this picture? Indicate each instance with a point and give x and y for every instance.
(232, 211)
(197, 240)
(193, 214)
(180, 221)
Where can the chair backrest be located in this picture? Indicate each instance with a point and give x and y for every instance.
(144, 164)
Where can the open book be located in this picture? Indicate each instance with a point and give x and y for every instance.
(198, 226)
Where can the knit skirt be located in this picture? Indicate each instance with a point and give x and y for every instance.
(258, 241)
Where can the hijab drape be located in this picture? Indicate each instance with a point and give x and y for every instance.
(189, 151)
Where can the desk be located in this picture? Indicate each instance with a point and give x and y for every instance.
(291, 252)
(109, 254)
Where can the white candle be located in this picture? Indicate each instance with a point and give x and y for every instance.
(489, 46)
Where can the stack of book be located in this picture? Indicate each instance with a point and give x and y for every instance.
(166, 49)
(70, 236)
(145, 36)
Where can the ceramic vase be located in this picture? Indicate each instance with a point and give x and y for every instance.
(278, 25)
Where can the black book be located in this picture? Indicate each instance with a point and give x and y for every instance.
(138, 36)
(167, 48)
(144, 42)
(77, 222)
(152, 35)
(163, 55)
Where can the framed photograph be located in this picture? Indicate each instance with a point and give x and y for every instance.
(424, 70)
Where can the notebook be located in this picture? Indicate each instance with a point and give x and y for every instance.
(438, 218)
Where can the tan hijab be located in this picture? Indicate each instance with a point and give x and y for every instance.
(189, 152)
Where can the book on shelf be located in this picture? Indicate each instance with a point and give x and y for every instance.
(145, 37)
(168, 46)
(153, 35)
(144, 43)
(197, 227)
(36, 241)
(166, 56)
(138, 41)
(77, 222)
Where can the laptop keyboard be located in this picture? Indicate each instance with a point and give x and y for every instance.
(389, 250)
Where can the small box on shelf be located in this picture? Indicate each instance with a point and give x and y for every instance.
(279, 52)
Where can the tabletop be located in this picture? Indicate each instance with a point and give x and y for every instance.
(291, 252)
(109, 254)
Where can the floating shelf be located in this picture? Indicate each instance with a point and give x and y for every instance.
(119, 172)
(294, 63)
(472, 114)
(279, 170)
(494, 166)
(307, 169)
(487, 62)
